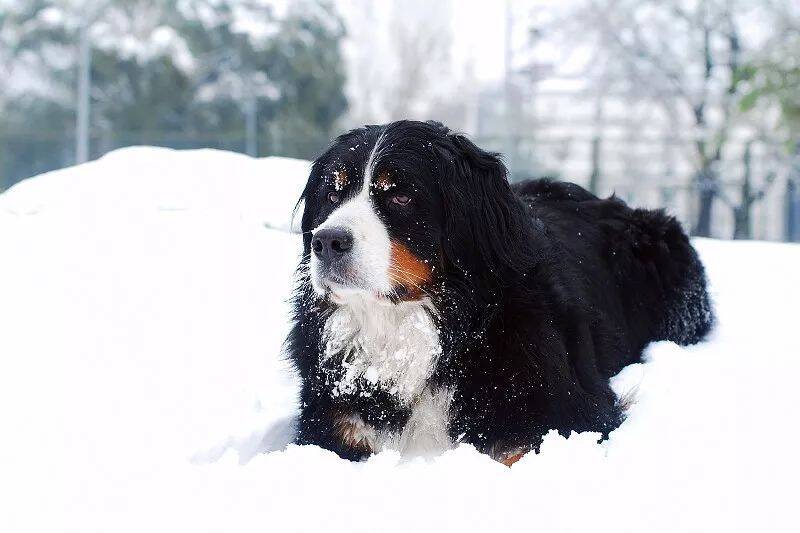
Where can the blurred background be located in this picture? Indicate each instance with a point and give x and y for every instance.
(693, 105)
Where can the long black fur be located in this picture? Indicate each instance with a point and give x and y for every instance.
(543, 290)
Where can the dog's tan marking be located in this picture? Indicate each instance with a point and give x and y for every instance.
(384, 182)
(340, 179)
(409, 271)
(352, 431)
(512, 458)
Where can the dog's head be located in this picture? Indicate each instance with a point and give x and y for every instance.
(390, 209)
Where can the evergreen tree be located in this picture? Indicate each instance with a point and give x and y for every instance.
(182, 74)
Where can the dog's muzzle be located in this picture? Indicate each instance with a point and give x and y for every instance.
(332, 245)
(333, 249)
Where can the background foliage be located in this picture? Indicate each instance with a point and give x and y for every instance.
(185, 75)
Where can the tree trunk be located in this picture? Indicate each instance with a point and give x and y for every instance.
(793, 198)
(741, 213)
(705, 183)
(741, 222)
(702, 227)
(594, 177)
(792, 211)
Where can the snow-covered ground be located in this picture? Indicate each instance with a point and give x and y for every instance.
(142, 310)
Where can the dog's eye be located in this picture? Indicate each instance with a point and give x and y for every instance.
(333, 197)
(401, 199)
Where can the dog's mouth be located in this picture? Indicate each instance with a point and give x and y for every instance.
(346, 280)
(334, 281)
(339, 288)
(339, 278)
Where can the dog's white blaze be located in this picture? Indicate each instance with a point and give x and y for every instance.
(425, 433)
(393, 346)
(369, 167)
(371, 253)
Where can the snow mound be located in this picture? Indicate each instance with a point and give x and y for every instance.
(143, 178)
(143, 306)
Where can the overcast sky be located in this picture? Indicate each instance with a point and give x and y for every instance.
(477, 28)
(485, 20)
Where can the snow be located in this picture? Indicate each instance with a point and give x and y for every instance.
(143, 306)
(141, 181)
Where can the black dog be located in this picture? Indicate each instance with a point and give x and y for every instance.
(438, 304)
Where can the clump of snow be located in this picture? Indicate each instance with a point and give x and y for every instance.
(143, 307)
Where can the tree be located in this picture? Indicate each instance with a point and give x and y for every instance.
(748, 195)
(305, 64)
(773, 79)
(688, 55)
(184, 74)
(35, 50)
(285, 75)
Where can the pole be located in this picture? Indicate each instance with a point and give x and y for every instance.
(84, 101)
(508, 89)
(793, 198)
(594, 177)
(251, 123)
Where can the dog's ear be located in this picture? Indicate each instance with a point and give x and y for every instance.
(484, 220)
(309, 205)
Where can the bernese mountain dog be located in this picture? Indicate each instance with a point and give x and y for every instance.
(439, 304)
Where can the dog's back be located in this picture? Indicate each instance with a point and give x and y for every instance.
(636, 265)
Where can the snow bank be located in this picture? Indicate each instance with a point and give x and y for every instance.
(142, 307)
(137, 180)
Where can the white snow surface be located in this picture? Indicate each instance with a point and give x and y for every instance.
(143, 303)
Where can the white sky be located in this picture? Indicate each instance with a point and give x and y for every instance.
(478, 34)
(477, 29)
(477, 26)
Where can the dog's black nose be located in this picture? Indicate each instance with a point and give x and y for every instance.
(331, 243)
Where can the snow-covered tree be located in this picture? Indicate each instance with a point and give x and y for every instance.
(689, 56)
(773, 81)
(181, 73)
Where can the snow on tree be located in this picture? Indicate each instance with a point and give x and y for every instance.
(690, 56)
(185, 73)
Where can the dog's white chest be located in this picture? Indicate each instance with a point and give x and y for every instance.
(396, 348)
(426, 431)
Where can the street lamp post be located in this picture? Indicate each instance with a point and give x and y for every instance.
(92, 11)
(84, 100)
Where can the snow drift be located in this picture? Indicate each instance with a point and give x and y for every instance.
(143, 306)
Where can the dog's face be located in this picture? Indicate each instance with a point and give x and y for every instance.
(387, 208)
(374, 213)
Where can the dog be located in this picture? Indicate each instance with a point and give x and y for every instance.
(437, 304)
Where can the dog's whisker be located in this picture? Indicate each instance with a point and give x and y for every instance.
(406, 282)
(406, 273)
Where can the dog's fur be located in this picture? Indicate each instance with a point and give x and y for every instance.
(477, 311)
